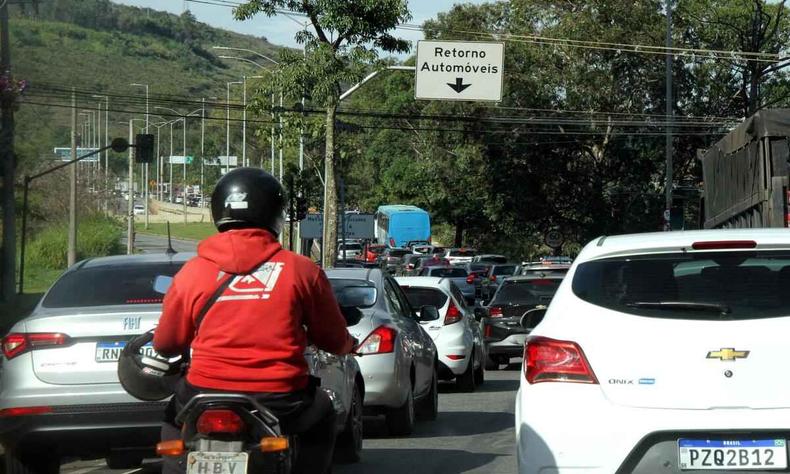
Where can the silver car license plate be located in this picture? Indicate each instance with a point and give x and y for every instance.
(206, 462)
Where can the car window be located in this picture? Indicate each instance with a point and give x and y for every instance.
(421, 296)
(538, 291)
(350, 247)
(504, 270)
(458, 296)
(394, 301)
(719, 285)
(109, 285)
(354, 292)
(462, 253)
(448, 272)
(408, 310)
(398, 253)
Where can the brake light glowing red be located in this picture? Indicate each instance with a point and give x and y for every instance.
(495, 312)
(493, 278)
(724, 245)
(24, 411)
(456, 356)
(219, 421)
(453, 314)
(549, 360)
(470, 279)
(380, 341)
(15, 344)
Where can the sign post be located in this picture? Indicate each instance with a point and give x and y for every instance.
(459, 70)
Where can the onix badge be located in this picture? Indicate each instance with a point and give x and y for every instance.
(728, 354)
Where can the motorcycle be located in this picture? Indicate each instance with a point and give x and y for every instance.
(230, 434)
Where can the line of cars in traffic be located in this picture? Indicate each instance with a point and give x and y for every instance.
(59, 390)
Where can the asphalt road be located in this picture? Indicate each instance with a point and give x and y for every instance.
(149, 243)
(473, 434)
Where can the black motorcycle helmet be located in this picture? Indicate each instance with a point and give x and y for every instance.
(248, 197)
(147, 378)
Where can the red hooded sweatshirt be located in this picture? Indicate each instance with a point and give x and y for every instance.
(254, 336)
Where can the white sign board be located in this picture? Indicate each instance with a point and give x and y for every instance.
(358, 226)
(223, 161)
(64, 153)
(179, 160)
(459, 70)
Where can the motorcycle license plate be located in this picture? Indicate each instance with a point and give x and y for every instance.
(723, 455)
(204, 462)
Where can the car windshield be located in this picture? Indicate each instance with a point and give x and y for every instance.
(538, 291)
(350, 247)
(352, 292)
(397, 253)
(504, 270)
(744, 285)
(419, 297)
(479, 268)
(109, 285)
(448, 272)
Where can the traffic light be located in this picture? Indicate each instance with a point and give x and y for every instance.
(301, 208)
(144, 148)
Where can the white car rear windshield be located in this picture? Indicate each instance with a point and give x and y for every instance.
(537, 291)
(725, 285)
(419, 297)
(462, 253)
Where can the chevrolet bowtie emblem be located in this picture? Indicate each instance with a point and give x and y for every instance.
(728, 354)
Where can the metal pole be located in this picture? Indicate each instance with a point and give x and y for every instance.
(227, 130)
(72, 245)
(8, 166)
(158, 166)
(281, 137)
(184, 183)
(130, 204)
(106, 139)
(272, 133)
(202, 152)
(244, 123)
(23, 237)
(670, 114)
(170, 161)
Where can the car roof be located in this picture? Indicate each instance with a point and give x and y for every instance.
(354, 273)
(180, 257)
(680, 241)
(430, 282)
(519, 278)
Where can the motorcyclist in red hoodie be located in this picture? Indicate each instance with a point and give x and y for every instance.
(253, 338)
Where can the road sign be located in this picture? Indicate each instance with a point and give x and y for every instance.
(554, 239)
(358, 226)
(179, 160)
(222, 161)
(459, 70)
(64, 153)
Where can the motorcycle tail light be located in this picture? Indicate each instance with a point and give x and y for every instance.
(219, 421)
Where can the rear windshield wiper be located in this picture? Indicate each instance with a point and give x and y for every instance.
(722, 309)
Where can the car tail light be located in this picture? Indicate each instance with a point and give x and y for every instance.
(219, 421)
(470, 279)
(453, 314)
(549, 360)
(495, 312)
(724, 245)
(493, 278)
(24, 411)
(380, 341)
(15, 344)
(456, 356)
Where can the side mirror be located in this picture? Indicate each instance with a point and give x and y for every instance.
(429, 313)
(480, 313)
(162, 284)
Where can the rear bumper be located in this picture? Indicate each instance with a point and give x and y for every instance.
(87, 430)
(385, 385)
(512, 346)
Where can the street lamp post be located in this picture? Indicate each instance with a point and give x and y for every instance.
(144, 169)
(227, 126)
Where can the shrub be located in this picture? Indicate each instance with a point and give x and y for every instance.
(97, 236)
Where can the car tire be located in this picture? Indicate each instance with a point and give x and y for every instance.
(348, 448)
(400, 421)
(480, 374)
(16, 463)
(466, 381)
(429, 406)
(492, 364)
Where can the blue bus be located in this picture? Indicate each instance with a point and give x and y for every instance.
(396, 225)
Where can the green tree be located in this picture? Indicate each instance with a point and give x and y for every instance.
(339, 47)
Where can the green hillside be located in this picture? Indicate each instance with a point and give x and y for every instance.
(98, 46)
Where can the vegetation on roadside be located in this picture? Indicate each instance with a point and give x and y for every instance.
(190, 231)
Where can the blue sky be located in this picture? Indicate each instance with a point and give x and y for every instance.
(280, 30)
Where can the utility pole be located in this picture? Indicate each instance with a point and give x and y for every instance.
(130, 204)
(272, 171)
(202, 152)
(8, 264)
(72, 245)
(670, 117)
(244, 122)
(184, 180)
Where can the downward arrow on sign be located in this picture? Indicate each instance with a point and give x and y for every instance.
(459, 85)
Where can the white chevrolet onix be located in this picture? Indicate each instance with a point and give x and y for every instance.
(663, 353)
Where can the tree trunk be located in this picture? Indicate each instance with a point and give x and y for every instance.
(329, 252)
(459, 233)
(754, 92)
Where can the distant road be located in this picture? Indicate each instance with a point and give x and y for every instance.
(149, 243)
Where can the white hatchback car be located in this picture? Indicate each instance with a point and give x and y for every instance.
(457, 335)
(662, 353)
